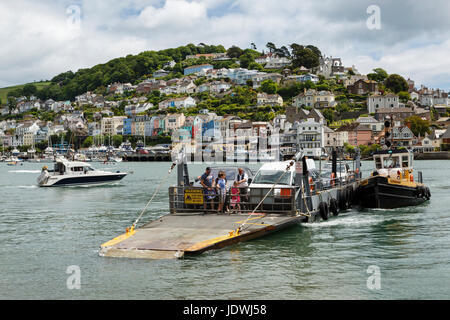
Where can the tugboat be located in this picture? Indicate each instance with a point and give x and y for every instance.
(392, 184)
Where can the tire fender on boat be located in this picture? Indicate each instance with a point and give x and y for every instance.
(427, 193)
(334, 207)
(349, 197)
(342, 199)
(324, 210)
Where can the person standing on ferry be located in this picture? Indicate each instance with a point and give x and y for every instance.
(242, 183)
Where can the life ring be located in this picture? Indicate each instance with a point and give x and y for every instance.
(333, 179)
(324, 211)
(311, 184)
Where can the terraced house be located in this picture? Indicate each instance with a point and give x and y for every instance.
(313, 98)
(184, 102)
(265, 99)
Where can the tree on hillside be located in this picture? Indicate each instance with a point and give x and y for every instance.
(396, 83)
(404, 96)
(269, 87)
(255, 66)
(253, 46)
(329, 115)
(234, 52)
(29, 90)
(315, 50)
(378, 75)
(246, 59)
(271, 47)
(418, 125)
(303, 56)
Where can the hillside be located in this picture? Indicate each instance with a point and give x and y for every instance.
(4, 91)
(135, 68)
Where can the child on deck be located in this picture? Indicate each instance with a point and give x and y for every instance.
(235, 198)
(222, 190)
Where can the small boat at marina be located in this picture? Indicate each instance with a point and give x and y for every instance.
(73, 173)
(13, 161)
(392, 184)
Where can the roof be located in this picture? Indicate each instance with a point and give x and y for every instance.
(393, 151)
(71, 164)
(199, 65)
(277, 166)
(446, 134)
(394, 110)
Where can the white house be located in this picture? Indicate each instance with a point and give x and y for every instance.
(376, 101)
(184, 102)
(334, 138)
(265, 99)
(373, 123)
(312, 98)
(310, 136)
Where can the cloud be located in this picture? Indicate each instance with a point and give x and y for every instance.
(38, 43)
(174, 15)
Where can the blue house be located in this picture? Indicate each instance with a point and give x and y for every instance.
(126, 127)
(211, 130)
(198, 68)
(305, 77)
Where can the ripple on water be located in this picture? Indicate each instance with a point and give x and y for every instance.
(43, 231)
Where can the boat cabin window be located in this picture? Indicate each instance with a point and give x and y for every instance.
(77, 169)
(59, 168)
(378, 162)
(392, 162)
(405, 161)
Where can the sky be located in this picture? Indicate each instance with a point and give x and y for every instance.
(41, 39)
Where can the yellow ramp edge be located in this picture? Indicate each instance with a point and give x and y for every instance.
(140, 254)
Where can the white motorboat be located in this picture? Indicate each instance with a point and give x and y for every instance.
(73, 173)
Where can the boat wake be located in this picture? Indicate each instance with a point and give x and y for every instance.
(352, 220)
(24, 171)
(27, 187)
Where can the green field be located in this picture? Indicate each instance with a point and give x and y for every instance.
(4, 91)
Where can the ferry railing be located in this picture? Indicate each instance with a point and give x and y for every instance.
(236, 200)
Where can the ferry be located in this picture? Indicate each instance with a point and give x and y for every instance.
(282, 194)
(392, 185)
(73, 173)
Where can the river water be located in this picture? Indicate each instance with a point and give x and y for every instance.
(43, 231)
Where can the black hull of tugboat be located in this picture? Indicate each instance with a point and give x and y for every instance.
(379, 193)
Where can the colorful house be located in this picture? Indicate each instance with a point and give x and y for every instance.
(197, 68)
